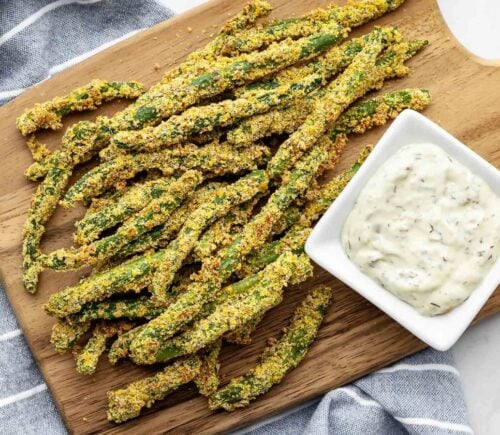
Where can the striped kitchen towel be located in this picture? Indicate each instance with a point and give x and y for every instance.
(421, 394)
(38, 38)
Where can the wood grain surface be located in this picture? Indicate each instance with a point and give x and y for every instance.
(355, 339)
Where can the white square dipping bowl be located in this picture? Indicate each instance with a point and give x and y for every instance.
(325, 248)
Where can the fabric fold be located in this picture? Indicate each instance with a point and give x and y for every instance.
(421, 394)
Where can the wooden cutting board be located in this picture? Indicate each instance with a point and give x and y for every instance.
(355, 339)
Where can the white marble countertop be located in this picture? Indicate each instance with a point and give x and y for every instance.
(476, 25)
(477, 355)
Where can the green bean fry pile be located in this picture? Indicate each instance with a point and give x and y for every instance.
(205, 189)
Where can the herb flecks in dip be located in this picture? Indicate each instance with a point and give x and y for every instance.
(425, 228)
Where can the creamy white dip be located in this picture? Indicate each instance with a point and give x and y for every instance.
(425, 228)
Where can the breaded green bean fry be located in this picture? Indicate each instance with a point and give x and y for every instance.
(79, 144)
(132, 201)
(152, 344)
(379, 110)
(290, 216)
(242, 335)
(88, 357)
(214, 159)
(151, 240)
(275, 121)
(280, 358)
(106, 175)
(120, 347)
(353, 14)
(131, 276)
(249, 14)
(201, 60)
(389, 65)
(128, 402)
(39, 151)
(183, 92)
(293, 241)
(223, 200)
(65, 335)
(207, 379)
(48, 115)
(162, 234)
(145, 111)
(43, 205)
(359, 77)
(331, 62)
(139, 308)
(296, 237)
(46, 197)
(155, 213)
(233, 291)
(215, 271)
(203, 119)
(256, 231)
(219, 233)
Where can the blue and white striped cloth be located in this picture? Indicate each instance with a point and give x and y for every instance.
(38, 38)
